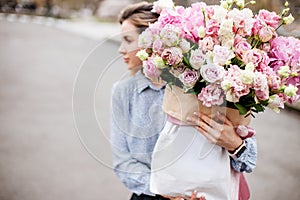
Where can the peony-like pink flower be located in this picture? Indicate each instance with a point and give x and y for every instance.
(266, 33)
(243, 21)
(261, 86)
(189, 78)
(212, 72)
(168, 16)
(212, 28)
(150, 70)
(207, 44)
(233, 85)
(241, 47)
(258, 57)
(285, 51)
(274, 82)
(172, 55)
(211, 95)
(197, 58)
(269, 18)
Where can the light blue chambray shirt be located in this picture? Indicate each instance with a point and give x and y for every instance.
(136, 121)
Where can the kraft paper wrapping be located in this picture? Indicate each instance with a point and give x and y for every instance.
(180, 105)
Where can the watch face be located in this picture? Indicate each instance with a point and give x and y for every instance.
(239, 153)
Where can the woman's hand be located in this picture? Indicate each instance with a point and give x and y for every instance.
(218, 130)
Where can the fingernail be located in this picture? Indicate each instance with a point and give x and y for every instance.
(189, 119)
(195, 113)
(195, 191)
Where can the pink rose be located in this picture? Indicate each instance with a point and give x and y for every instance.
(158, 46)
(176, 71)
(150, 70)
(222, 54)
(197, 58)
(212, 72)
(173, 55)
(211, 95)
(188, 78)
(145, 39)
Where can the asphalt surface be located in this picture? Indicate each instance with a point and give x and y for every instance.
(45, 154)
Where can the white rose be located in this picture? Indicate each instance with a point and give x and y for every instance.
(142, 55)
(226, 26)
(166, 4)
(159, 62)
(184, 45)
(288, 20)
(275, 102)
(240, 3)
(197, 59)
(201, 31)
(159, 5)
(225, 85)
(220, 13)
(222, 55)
(284, 71)
(247, 76)
(290, 90)
(212, 72)
(250, 66)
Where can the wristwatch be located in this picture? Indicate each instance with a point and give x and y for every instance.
(238, 151)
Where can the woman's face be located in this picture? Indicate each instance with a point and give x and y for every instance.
(129, 46)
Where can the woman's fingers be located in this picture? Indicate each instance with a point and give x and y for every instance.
(208, 135)
(211, 121)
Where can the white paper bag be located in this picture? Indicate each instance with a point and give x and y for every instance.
(184, 160)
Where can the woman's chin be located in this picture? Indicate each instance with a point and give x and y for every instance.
(134, 69)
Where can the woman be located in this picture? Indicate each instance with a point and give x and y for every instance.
(136, 114)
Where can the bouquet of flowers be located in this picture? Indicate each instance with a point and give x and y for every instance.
(224, 54)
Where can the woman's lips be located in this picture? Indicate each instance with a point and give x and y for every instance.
(126, 60)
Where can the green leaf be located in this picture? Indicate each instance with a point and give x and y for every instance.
(243, 110)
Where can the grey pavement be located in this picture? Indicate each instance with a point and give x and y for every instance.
(43, 155)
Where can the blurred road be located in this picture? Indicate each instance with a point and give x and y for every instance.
(43, 156)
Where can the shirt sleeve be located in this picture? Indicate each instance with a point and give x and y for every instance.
(246, 162)
(132, 173)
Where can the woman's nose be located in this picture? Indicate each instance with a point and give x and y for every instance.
(122, 50)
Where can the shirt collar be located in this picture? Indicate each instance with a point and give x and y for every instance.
(144, 83)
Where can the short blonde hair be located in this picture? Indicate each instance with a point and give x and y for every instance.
(139, 14)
